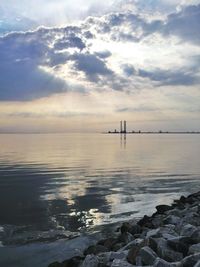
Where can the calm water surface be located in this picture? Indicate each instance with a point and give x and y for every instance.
(54, 184)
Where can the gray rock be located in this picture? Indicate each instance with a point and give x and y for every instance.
(190, 260)
(136, 242)
(106, 257)
(163, 208)
(168, 254)
(169, 229)
(153, 233)
(126, 227)
(189, 230)
(175, 212)
(180, 244)
(157, 221)
(126, 238)
(90, 261)
(194, 249)
(197, 264)
(120, 263)
(133, 253)
(148, 255)
(172, 219)
(161, 263)
(95, 250)
(55, 264)
(119, 255)
(168, 236)
(135, 229)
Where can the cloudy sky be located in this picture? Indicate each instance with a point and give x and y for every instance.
(72, 66)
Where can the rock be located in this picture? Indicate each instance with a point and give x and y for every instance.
(157, 221)
(107, 257)
(119, 255)
(166, 253)
(161, 263)
(175, 212)
(121, 263)
(55, 264)
(189, 230)
(153, 243)
(125, 238)
(153, 233)
(190, 260)
(167, 236)
(133, 253)
(108, 243)
(180, 244)
(137, 242)
(117, 246)
(135, 229)
(126, 227)
(104, 258)
(148, 255)
(73, 262)
(172, 219)
(95, 250)
(145, 221)
(163, 208)
(194, 249)
(197, 264)
(90, 261)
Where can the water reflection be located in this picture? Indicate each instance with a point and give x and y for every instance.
(123, 141)
(76, 182)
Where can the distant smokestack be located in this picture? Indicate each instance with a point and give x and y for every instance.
(121, 130)
(124, 126)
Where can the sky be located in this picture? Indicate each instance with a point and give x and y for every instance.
(81, 66)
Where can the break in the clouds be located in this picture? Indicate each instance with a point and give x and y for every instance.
(122, 51)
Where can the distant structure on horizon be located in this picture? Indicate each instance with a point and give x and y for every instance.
(123, 130)
(121, 127)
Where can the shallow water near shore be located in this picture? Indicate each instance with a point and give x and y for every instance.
(55, 186)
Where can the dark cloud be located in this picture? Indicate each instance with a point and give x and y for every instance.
(128, 69)
(103, 54)
(24, 81)
(167, 77)
(184, 24)
(72, 41)
(91, 65)
(26, 56)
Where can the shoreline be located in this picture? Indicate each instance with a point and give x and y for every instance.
(169, 237)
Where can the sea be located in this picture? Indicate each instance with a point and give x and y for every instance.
(56, 187)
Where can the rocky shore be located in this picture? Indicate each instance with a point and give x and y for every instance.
(170, 237)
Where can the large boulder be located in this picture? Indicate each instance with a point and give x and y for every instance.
(161, 263)
(133, 254)
(189, 230)
(166, 253)
(107, 257)
(90, 261)
(180, 244)
(153, 233)
(121, 263)
(95, 249)
(108, 242)
(163, 208)
(190, 260)
(172, 219)
(73, 262)
(148, 256)
(194, 249)
(126, 238)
